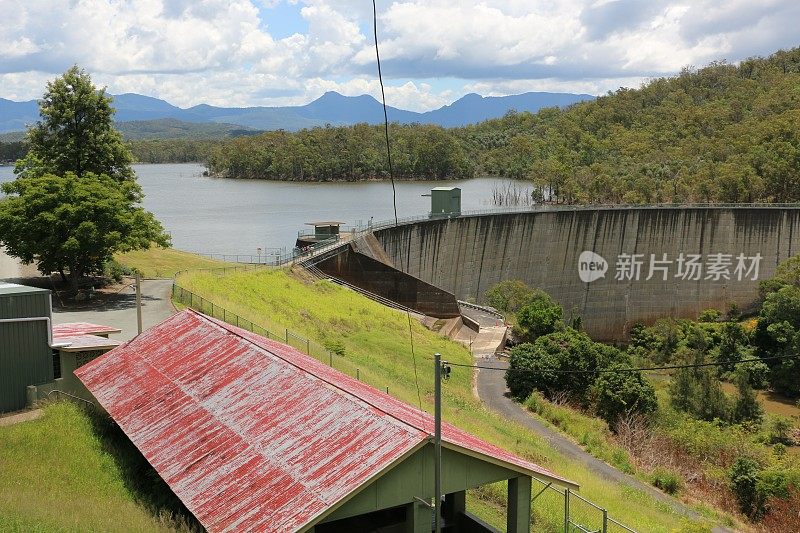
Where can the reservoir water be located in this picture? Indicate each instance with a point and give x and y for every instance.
(224, 216)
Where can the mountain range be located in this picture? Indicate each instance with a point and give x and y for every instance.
(158, 118)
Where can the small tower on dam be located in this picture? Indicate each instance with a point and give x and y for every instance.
(445, 202)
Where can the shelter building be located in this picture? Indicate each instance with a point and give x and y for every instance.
(324, 230)
(253, 435)
(36, 357)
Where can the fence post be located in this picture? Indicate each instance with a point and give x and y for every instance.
(605, 520)
(358, 374)
(212, 309)
(287, 336)
(566, 510)
(330, 359)
(308, 347)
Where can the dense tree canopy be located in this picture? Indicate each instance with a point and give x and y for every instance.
(73, 223)
(75, 201)
(723, 133)
(76, 133)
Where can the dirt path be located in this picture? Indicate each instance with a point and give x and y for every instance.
(492, 391)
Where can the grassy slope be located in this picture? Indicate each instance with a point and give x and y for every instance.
(60, 473)
(164, 262)
(375, 340)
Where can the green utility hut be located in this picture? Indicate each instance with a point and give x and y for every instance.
(445, 201)
(25, 337)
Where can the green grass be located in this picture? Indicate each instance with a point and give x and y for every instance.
(165, 262)
(73, 471)
(375, 341)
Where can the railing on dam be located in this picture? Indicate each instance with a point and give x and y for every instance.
(349, 233)
(361, 228)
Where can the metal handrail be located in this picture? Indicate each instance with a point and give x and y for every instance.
(566, 494)
(68, 394)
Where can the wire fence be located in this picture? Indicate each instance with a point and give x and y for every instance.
(579, 514)
(308, 346)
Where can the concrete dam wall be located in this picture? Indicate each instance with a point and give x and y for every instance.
(612, 266)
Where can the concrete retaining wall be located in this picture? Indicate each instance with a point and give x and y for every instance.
(467, 255)
(384, 280)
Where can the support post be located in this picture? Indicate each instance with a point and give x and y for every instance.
(437, 489)
(605, 520)
(139, 302)
(566, 510)
(418, 518)
(519, 505)
(455, 504)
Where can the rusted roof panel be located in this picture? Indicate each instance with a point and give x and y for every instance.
(251, 434)
(82, 328)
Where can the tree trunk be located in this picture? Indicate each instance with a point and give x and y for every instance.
(74, 276)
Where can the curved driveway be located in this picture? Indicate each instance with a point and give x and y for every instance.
(492, 391)
(119, 311)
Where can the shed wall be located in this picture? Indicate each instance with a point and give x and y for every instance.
(25, 357)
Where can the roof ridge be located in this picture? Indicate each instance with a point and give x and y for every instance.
(226, 327)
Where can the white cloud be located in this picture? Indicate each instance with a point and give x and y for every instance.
(221, 51)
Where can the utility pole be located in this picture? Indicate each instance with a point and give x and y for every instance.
(139, 301)
(437, 497)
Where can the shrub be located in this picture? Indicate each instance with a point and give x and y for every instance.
(709, 315)
(509, 295)
(743, 477)
(542, 365)
(747, 407)
(539, 317)
(779, 430)
(666, 480)
(113, 270)
(697, 391)
(616, 394)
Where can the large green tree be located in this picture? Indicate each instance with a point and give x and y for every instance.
(76, 132)
(75, 201)
(74, 223)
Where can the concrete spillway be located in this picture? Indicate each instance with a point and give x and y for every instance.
(612, 266)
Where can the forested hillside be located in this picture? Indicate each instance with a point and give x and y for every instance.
(344, 153)
(723, 133)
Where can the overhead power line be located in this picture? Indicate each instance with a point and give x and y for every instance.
(391, 178)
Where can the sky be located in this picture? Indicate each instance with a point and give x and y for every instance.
(237, 53)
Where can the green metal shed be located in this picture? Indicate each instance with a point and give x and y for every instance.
(445, 201)
(25, 334)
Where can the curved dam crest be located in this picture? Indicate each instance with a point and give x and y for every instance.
(658, 261)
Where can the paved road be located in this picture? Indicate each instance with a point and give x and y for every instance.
(492, 391)
(120, 311)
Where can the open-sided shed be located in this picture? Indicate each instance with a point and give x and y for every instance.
(253, 435)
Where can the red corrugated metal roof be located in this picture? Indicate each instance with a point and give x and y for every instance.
(251, 434)
(82, 328)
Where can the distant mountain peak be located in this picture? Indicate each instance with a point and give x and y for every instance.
(330, 108)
